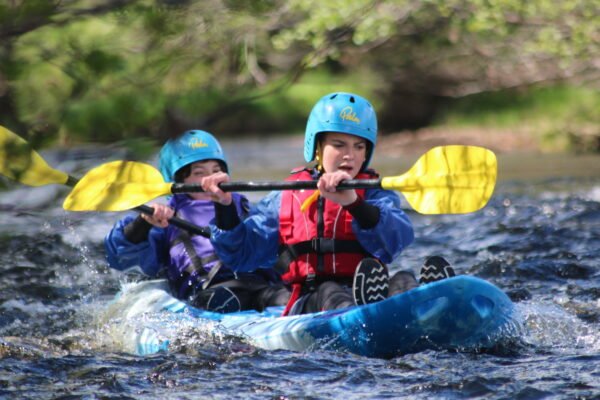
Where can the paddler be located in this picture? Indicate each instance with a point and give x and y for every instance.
(194, 272)
(330, 245)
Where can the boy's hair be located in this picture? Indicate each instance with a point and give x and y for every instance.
(186, 171)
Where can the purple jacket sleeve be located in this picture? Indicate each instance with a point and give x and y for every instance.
(147, 257)
(254, 242)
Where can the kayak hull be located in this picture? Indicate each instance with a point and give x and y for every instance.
(461, 313)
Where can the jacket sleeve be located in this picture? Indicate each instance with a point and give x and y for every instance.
(393, 232)
(147, 257)
(254, 242)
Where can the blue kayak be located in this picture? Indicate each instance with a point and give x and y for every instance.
(461, 312)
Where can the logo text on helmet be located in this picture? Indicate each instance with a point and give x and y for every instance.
(348, 114)
(197, 143)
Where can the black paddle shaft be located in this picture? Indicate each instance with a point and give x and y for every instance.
(254, 187)
(178, 222)
(284, 185)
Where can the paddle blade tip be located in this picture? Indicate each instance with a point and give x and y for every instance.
(116, 186)
(452, 179)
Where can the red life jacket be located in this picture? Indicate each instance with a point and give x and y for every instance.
(318, 243)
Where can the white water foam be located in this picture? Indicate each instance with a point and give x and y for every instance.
(550, 326)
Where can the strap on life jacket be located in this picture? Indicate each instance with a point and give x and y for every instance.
(290, 252)
(320, 233)
(197, 262)
(249, 282)
(294, 296)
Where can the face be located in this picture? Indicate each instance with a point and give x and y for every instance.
(201, 169)
(344, 152)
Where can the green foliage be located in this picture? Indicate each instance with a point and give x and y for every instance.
(106, 119)
(111, 70)
(139, 148)
(513, 107)
(100, 63)
(287, 111)
(579, 130)
(562, 117)
(544, 25)
(321, 81)
(20, 13)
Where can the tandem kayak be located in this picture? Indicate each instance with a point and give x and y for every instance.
(461, 312)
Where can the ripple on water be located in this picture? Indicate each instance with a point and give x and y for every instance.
(539, 241)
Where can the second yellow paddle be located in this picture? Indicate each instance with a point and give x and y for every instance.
(21, 163)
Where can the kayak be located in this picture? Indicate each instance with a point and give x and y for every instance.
(462, 313)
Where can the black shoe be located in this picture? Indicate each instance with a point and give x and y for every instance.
(436, 268)
(371, 282)
(222, 300)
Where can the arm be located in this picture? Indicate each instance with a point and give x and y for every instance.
(391, 233)
(251, 243)
(147, 255)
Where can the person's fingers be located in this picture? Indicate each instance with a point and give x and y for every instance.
(160, 216)
(329, 182)
(210, 185)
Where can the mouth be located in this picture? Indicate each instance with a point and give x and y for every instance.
(346, 168)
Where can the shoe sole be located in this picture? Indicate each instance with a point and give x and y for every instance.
(371, 282)
(436, 268)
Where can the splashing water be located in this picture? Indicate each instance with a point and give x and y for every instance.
(62, 334)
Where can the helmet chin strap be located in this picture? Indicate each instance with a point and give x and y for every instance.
(319, 157)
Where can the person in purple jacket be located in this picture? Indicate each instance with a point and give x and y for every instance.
(330, 245)
(194, 272)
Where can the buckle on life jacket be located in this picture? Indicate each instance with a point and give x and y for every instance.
(322, 245)
(310, 284)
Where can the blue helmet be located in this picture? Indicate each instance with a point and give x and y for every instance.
(341, 112)
(190, 147)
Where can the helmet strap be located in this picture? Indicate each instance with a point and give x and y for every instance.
(319, 157)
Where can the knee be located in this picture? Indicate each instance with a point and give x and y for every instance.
(330, 287)
(401, 282)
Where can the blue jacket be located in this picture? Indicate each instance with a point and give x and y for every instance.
(255, 241)
(164, 251)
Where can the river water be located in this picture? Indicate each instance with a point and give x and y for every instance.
(538, 239)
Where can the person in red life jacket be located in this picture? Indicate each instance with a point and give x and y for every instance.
(194, 272)
(329, 244)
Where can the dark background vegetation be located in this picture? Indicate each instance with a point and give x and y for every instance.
(138, 71)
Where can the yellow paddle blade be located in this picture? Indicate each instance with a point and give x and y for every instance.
(116, 186)
(448, 180)
(19, 162)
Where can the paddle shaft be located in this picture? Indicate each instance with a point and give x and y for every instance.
(284, 185)
(178, 222)
(445, 180)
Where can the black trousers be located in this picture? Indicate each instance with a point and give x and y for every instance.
(331, 295)
(253, 291)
